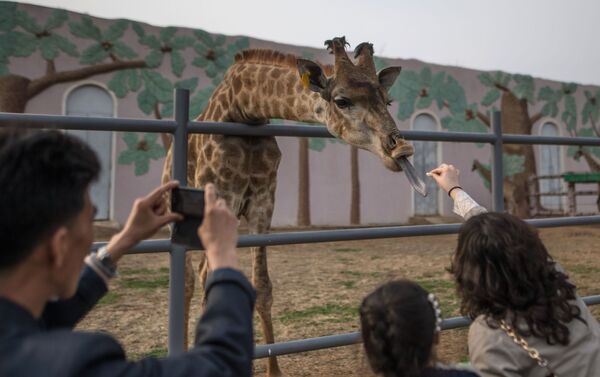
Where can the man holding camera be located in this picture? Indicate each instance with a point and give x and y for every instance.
(49, 281)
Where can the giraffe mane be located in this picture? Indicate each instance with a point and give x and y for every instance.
(272, 57)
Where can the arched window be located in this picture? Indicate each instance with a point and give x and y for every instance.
(549, 164)
(425, 159)
(95, 101)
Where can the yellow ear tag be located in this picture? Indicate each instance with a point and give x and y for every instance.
(305, 79)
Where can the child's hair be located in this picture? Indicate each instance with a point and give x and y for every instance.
(399, 324)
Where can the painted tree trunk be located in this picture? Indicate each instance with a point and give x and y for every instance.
(13, 93)
(355, 179)
(303, 218)
(516, 120)
(595, 167)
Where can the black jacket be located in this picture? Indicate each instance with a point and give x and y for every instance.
(48, 347)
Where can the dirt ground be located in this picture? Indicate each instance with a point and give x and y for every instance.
(317, 289)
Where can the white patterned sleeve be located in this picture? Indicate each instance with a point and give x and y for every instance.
(465, 206)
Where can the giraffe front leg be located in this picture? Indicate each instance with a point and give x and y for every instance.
(190, 283)
(264, 302)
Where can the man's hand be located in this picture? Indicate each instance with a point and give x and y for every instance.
(218, 231)
(446, 176)
(147, 216)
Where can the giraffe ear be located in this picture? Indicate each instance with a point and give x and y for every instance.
(312, 77)
(388, 76)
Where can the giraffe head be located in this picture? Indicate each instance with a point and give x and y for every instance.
(357, 101)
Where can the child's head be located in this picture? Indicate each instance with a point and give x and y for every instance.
(399, 324)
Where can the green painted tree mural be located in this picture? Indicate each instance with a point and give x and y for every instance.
(514, 94)
(137, 68)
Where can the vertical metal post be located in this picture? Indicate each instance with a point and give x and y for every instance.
(497, 167)
(177, 272)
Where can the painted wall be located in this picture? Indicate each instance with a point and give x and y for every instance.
(386, 197)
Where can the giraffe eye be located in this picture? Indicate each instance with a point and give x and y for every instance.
(389, 103)
(342, 102)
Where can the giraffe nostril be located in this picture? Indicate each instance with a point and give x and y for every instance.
(392, 142)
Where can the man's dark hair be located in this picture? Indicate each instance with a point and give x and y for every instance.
(398, 328)
(503, 271)
(44, 176)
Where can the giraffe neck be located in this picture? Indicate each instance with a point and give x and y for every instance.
(256, 92)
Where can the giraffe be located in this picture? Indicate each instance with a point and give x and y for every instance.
(350, 98)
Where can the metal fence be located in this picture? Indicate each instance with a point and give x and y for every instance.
(181, 126)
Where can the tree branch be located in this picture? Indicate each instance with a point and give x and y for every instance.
(535, 118)
(50, 67)
(38, 85)
(484, 119)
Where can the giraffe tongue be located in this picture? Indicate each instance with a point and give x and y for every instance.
(411, 174)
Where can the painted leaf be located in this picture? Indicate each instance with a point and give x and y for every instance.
(546, 94)
(49, 48)
(491, 97)
(436, 90)
(502, 78)
(512, 164)
(85, 29)
(134, 80)
(525, 88)
(550, 109)
(424, 102)
(204, 37)
(142, 165)
(425, 76)
(199, 101)
(316, 144)
(486, 79)
(130, 139)
(454, 95)
(146, 101)
(150, 137)
(65, 45)
(93, 54)
(406, 100)
(177, 63)
(189, 84)
(159, 86)
(166, 109)
(123, 51)
(167, 33)
(118, 84)
(150, 41)
(23, 44)
(115, 31)
(138, 29)
(28, 23)
(200, 61)
(154, 58)
(569, 88)
(410, 80)
(569, 116)
(3, 68)
(181, 42)
(126, 157)
(219, 39)
(8, 17)
(56, 19)
(242, 43)
(211, 70)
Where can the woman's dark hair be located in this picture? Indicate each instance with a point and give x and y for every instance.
(503, 271)
(44, 176)
(398, 328)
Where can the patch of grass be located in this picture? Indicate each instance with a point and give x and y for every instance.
(347, 284)
(361, 274)
(109, 298)
(347, 249)
(136, 271)
(164, 270)
(339, 313)
(343, 260)
(154, 352)
(437, 286)
(161, 281)
(582, 269)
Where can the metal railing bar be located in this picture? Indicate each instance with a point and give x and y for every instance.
(331, 341)
(354, 234)
(86, 123)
